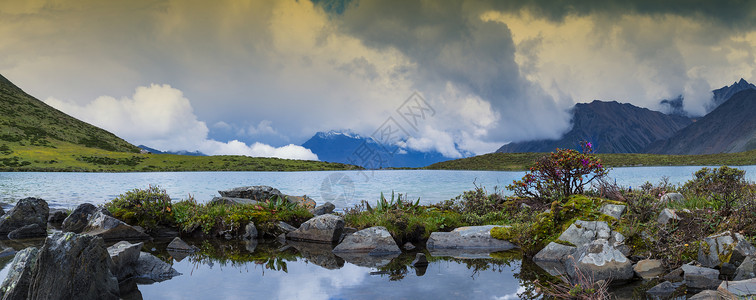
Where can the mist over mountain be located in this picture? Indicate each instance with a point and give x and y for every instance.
(676, 105)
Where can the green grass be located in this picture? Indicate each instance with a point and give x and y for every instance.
(67, 157)
(522, 161)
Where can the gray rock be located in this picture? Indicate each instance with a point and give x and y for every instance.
(663, 290)
(79, 218)
(26, 212)
(408, 246)
(672, 198)
(706, 295)
(613, 210)
(326, 208)
(743, 289)
(583, 232)
(554, 252)
(746, 270)
(675, 275)
(231, 201)
(303, 201)
(700, 277)
(373, 241)
(124, 256)
(600, 259)
(57, 216)
(258, 192)
(250, 232)
(16, 283)
(73, 266)
(733, 248)
(472, 237)
(282, 228)
(420, 260)
(320, 229)
(28, 231)
(178, 245)
(149, 268)
(666, 216)
(112, 229)
(649, 268)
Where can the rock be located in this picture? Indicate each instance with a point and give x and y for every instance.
(724, 248)
(79, 218)
(408, 246)
(124, 256)
(250, 245)
(666, 216)
(472, 237)
(675, 275)
(282, 228)
(743, 289)
(613, 210)
(663, 290)
(649, 268)
(231, 201)
(28, 231)
(746, 270)
(250, 232)
(57, 216)
(160, 232)
(321, 229)
(420, 260)
(554, 252)
(303, 201)
(583, 232)
(366, 260)
(700, 277)
(326, 208)
(178, 245)
(258, 192)
(706, 295)
(16, 283)
(373, 241)
(601, 260)
(73, 266)
(672, 198)
(319, 254)
(112, 229)
(149, 268)
(26, 212)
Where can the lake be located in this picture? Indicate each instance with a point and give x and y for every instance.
(343, 188)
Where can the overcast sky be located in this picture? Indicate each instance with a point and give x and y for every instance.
(260, 77)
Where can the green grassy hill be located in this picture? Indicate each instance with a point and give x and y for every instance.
(37, 137)
(522, 161)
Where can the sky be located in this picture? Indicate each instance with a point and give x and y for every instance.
(259, 78)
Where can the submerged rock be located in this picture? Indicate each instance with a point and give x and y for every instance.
(73, 266)
(321, 229)
(16, 283)
(112, 229)
(373, 241)
(27, 211)
(471, 237)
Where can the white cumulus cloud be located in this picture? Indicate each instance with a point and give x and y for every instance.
(159, 116)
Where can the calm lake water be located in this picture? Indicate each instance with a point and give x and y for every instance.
(344, 189)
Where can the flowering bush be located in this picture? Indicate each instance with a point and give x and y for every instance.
(560, 174)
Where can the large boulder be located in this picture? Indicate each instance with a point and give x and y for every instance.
(149, 269)
(742, 289)
(700, 278)
(723, 248)
(373, 241)
(471, 237)
(28, 231)
(649, 268)
(601, 261)
(554, 252)
(320, 229)
(258, 192)
(57, 216)
(583, 232)
(112, 229)
(79, 218)
(26, 212)
(124, 256)
(73, 266)
(16, 283)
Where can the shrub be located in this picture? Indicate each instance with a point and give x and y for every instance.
(560, 174)
(722, 186)
(148, 208)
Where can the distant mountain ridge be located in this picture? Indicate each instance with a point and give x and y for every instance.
(612, 127)
(347, 147)
(182, 152)
(719, 96)
(28, 121)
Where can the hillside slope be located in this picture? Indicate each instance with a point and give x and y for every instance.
(611, 127)
(26, 120)
(729, 128)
